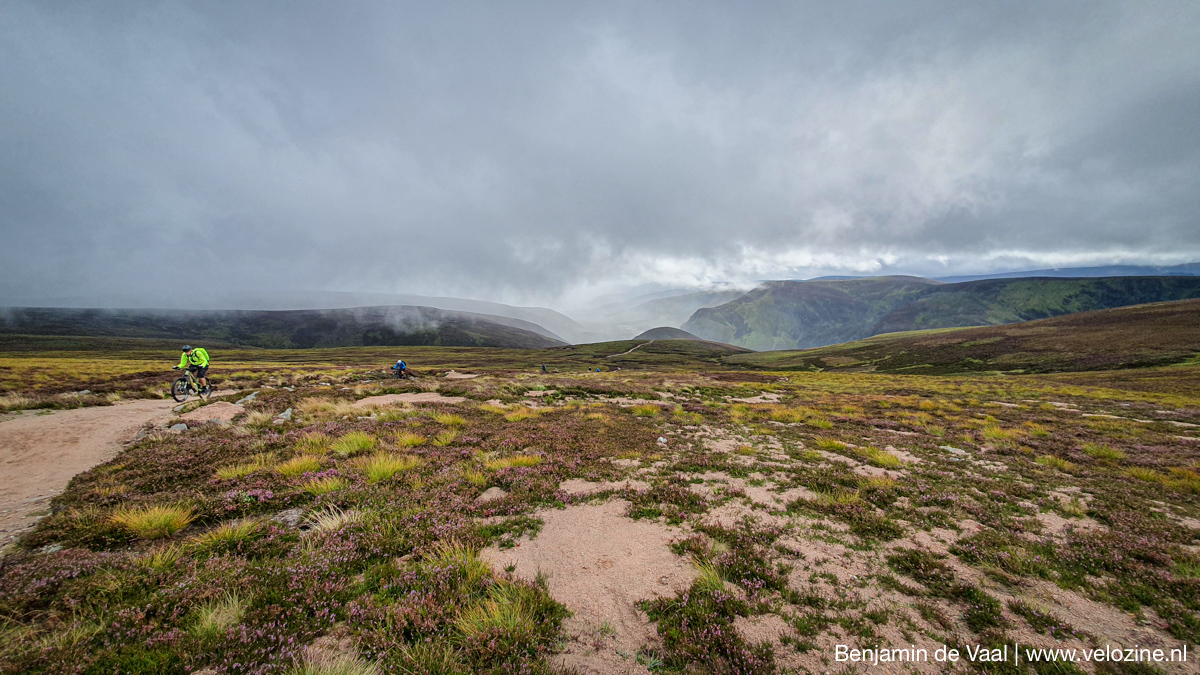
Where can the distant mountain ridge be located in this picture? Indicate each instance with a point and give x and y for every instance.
(1138, 336)
(666, 333)
(802, 314)
(285, 329)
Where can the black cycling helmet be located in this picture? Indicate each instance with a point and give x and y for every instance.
(187, 348)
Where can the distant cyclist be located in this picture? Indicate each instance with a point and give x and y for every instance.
(195, 360)
(401, 369)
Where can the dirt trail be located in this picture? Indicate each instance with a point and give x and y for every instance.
(39, 453)
(634, 348)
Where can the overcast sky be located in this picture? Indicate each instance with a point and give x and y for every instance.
(542, 153)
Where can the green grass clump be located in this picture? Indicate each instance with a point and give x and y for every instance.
(1148, 475)
(353, 443)
(511, 461)
(1102, 452)
(235, 471)
(1055, 462)
(407, 439)
(383, 466)
(474, 477)
(521, 413)
(154, 522)
(323, 663)
(331, 519)
(708, 578)
(229, 533)
(444, 438)
(299, 465)
(217, 616)
(830, 445)
(880, 458)
(648, 410)
(312, 443)
(323, 486)
(449, 419)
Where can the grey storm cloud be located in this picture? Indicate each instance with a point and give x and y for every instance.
(545, 152)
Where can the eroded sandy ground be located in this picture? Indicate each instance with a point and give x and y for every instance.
(600, 564)
(41, 452)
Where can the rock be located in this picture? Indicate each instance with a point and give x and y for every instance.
(491, 495)
(286, 415)
(290, 517)
(290, 388)
(179, 427)
(246, 399)
(662, 441)
(952, 450)
(50, 548)
(85, 392)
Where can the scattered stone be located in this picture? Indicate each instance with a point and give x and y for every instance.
(289, 517)
(246, 399)
(50, 548)
(85, 392)
(286, 415)
(952, 450)
(491, 495)
(179, 427)
(368, 417)
(290, 388)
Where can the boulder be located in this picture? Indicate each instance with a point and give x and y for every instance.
(491, 495)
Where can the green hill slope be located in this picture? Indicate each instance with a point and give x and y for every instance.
(1139, 336)
(300, 329)
(801, 314)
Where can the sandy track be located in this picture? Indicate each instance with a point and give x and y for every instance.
(40, 453)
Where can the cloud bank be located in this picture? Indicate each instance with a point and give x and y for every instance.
(547, 153)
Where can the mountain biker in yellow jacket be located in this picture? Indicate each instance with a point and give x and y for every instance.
(195, 360)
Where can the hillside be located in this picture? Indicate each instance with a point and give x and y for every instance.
(299, 329)
(791, 314)
(666, 333)
(1156, 334)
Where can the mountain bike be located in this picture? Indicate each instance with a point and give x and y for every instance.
(189, 385)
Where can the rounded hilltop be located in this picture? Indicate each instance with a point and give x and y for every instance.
(667, 333)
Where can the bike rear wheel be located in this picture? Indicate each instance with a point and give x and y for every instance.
(179, 390)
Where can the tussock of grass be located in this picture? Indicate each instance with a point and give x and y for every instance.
(229, 533)
(444, 438)
(995, 432)
(1148, 475)
(299, 465)
(383, 466)
(323, 663)
(331, 519)
(708, 578)
(449, 419)
(154, 522)
(325, 485)
(235, 471)
(837, 497)
(648, 410)
(395, 414)
(880, 458)
(1055, 462)
(474, 477)
(512, 461)
(521, 413)
(353, 443)
(217, 616)
(456, 555)
(318, 408)
(493, 408)
(876, 483)
(407, 439)
(597, 416)
(312, 443)
(257, 419)
(15, 401)
(162, 558)
(830, 445)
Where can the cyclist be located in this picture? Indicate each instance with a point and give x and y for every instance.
(195, 360)
(401, 369)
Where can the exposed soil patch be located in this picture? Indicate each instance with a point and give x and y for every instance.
(600, 564)
(220, 411)
(39, 454)
(411, 397)
(455, 375)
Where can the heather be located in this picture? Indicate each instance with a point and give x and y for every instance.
(859, 508)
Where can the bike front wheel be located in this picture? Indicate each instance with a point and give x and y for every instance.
(179, 390)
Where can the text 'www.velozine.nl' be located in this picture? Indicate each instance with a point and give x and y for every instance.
(1009, 653)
